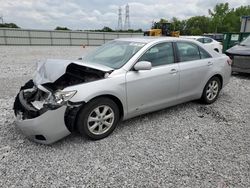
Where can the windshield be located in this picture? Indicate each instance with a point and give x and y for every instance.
(246, 42)
(114, 54)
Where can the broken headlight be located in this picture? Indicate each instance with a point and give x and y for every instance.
(59, 98)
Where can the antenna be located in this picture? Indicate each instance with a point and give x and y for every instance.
(119, 25)
(127, 20)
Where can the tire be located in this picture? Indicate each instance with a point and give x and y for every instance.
(211, 91)
(95, 125)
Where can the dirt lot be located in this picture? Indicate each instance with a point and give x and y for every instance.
(189, 145)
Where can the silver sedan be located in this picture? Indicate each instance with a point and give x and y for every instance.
(122, 79)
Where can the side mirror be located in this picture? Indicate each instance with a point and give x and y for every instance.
(142, 65)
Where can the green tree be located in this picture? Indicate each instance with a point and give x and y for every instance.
(106, 29)
(9, 25)
(197, 25)
(178, 25)
(62, 28)
(227, 20)
(218, 15)
(157, 25)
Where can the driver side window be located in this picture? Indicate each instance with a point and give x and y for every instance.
(160, 54)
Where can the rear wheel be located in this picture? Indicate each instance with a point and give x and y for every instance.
(211, 90)
(98, 118)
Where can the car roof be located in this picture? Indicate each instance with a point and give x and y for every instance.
(193, 37)
(150, 39)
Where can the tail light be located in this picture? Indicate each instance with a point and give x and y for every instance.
(229, 62)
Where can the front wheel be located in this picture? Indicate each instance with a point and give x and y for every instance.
(211, 90)
(98, 118)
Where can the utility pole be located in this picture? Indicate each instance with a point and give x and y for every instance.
(1, 18)
(127, 19)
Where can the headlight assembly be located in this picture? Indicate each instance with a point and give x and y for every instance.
(59, 98)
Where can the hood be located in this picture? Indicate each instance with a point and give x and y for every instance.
(52, 69)
(239, 50)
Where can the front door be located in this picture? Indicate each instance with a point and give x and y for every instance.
(149, 90)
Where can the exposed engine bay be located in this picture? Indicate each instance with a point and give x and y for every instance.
(35, 99)
(75, 74)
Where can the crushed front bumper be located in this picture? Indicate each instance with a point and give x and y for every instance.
(38, 122)
(46, 128)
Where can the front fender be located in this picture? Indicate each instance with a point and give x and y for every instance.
(114, 86)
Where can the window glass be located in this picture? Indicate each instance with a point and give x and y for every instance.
(246, 42)
(207, 40)
(160, 54)
(117, 50)
(200, 40)
(114, 54)
(188, 51)
(204, 54)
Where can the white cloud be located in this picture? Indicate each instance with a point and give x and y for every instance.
(95, 14)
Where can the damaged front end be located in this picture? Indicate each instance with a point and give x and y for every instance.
(29, 102)
(32, 102)
(42, 107)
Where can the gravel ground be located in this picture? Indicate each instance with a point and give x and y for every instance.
(189, 145)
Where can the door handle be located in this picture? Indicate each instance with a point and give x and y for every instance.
(209, 63)
(173, 71)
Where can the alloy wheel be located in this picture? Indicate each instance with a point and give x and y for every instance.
(100, 120)
(212, 90)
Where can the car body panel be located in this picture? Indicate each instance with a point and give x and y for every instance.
(50, 125)
(193, 74)
(50, 70)
(239, 50)
(114, 85)
(240, 55)
(155, 96)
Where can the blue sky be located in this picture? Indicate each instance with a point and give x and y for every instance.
(95, 14)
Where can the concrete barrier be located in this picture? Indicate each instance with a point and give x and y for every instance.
(9, 36)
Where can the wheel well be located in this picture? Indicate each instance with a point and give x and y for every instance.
(116, 100)
(71, 113)
(220, 78)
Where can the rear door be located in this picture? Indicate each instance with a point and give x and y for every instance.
(194, 69)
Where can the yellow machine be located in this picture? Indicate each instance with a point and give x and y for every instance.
(175, 33)
(164, 30)
(155, 32)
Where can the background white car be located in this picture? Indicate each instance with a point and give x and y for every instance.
(207, 41)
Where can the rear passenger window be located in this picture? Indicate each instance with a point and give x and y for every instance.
(207, 40)
(204, 54)
(160, 54)
(201, 40)
(188, 51)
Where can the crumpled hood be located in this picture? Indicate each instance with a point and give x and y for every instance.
(239, 50)
(52, 69)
